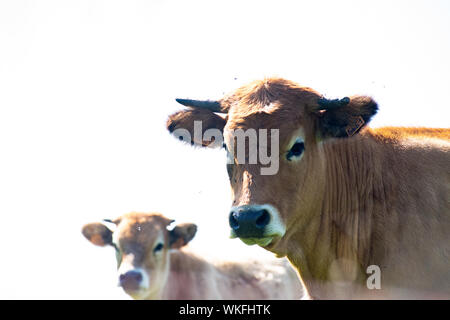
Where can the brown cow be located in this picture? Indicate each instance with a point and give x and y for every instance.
(149, 269)
(359, 212)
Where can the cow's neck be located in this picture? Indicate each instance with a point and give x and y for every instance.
(335, 245)
(353, 182)
(186, 274)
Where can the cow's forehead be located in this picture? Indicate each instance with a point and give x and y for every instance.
(269, 103)
(142, 229)
(279, 117)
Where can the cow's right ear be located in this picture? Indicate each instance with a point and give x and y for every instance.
(197, 127)
(181, 235)
(98, 234)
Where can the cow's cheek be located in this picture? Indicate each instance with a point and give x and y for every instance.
(289, 187)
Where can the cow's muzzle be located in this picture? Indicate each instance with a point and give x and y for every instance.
(256, 224)
(249, 222)
(131, 281)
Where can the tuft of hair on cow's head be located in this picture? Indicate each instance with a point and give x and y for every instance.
(341, 118)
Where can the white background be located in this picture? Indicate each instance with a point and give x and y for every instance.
(86, 88)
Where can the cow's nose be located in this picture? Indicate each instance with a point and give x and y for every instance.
(131, 280)
(249, 222)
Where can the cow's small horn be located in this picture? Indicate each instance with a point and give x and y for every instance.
(115, 221)
(326, 104)
(213, 106)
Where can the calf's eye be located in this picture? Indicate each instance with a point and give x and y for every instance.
(296, 150)
(158, 247)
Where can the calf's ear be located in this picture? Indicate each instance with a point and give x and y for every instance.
(197, 127)
(98, 234)
(345, 117)
(182, 234)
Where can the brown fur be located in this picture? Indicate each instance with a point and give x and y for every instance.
(397, 133)
(379, 197)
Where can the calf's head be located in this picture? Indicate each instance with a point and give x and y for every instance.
(142, 243)
(273, 131)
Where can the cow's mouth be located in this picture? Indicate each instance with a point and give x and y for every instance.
(261, 241)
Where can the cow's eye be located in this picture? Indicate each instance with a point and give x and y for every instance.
(158, 247)
(296, 150)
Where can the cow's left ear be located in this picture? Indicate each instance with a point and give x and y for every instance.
(345, 117)
(181, 235)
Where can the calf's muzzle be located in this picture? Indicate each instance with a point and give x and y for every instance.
(131, 280)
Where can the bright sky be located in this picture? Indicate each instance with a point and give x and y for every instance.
(86, 87)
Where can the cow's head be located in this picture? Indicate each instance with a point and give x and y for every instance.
(297, 120)
(142, 242)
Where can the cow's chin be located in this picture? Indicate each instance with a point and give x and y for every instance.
(138, 294)
(262, 242)
(267, 242)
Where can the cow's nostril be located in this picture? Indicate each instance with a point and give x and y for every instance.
(263, 220)
(233, 221)
(138, 276)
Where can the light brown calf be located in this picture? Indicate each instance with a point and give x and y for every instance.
(359, 212)
(153, 265)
